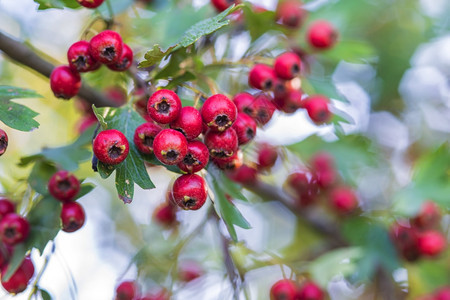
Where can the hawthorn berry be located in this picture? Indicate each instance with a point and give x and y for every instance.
(6, 207)
(144, 135)
(344, 200)
(290, 13)
(245, 128)
(222, 5)
(267, 156)
(170, 146)
(304, 185)
(65, 82)
(106, 47)
(3, 141)
(90, 3)
(322, 34)
(189, 191)
(63, 186)
(80, 59)
(431, 243)
(125, 60)
(19, 280)
(229, 163)
(189, 122)
(405, 240)
(197, 157)
(221, 144)
(72, 216)
(244, 175)
(264, 109)
(262, 77)
(244, 103)
(324, 169)
(290, 102)
(310, 291)
(287, 65)
(317, 108)
(428, 216)
(165, 215)
(14, 229)
(164, 106)
(111, 147)
(189, 270)
(126, 290)
(218, 112)
(283, 289)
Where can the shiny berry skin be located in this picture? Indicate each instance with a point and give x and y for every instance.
(164, 106)
(267, 156)
(431, 243)
(6, 207)
(244, 175)
(287, 65)
(221, 144)
(196, 158)
(428, 217)
(126, 290)
(14, 229)
(90, 3)
(290, 13)
(106, 47)
(317, 108)
(189, 191)
(189, 270)
(63, 186)
(125, 60)
(18, 282)
(283, 289)
(290, 102)
(222, 5)
(229, 163)
(245, 128)
(262, 77)
(189, 122)
(343, 200)
(165, 215)
(64, 82)
(144, 135)
(310, 291)
(244, 103)
(170, 146)
(72, 216)
(111, 147)
(3, 141)
(218, 112)
(264, 109)
(322, 35)
(80, 59)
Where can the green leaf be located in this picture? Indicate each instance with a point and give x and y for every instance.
(232, 188)
(105, 170)
(323, 86)
(154, 56)
(60, 4)
(185, 77)
(350, 51)
(40, 175)
(258, 23)
(16, 115)
(15, 261)
(85, 189)
(45, 295)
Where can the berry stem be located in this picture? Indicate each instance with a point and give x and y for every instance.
(35, 284)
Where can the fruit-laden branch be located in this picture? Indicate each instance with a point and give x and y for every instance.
(22, 54)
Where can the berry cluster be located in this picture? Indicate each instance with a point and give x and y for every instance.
(3, 141)
(419, 236)
(286, 289)
(104, 48)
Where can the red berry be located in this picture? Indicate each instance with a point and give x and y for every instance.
(126, 290)
(189, 191)
(165, 215)
(164, 106)
(219, 112)
(245, 128)
(125, 60)
(189, 122)
(264, 109)
(117, 94)
(322, 161)
(428, 216)
(3, 141)
(244, 103)
(244, 175)
(221, 144)
(229, 163)
(144, 135)
(63, 186)
(405, 240)
(170, 146)
(317, 108)
(344, 200)
(310, 291)
(287, 65)
(189, 270)
(262, 77)
(64, 82)
(283, 289)
(442, 294)
(322, 35)
(111, 147)
(72, 216)
(80, 58)
(431, 243)
(106, 47)
(290, 13)
(290, 102)
(267, 156)
(14, 229)
(222, 5)
(6, 207)
(196, 158)
(86, 122)
(18, 282)
(90, 3)
(304, 185)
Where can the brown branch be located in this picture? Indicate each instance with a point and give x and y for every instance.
(23, 55)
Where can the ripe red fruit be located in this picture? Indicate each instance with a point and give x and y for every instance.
(290, 101)
(125, 60)
(283, 289)
(3, 141)
(431, 243)
(6, 207)
(244, 103)
(267, 156)
(170, 146)
(322, 161)
(90, 3)
(189, 122)
(290, 13)
(221, 5)
(144, 135)
(189, 191)
(165, 215)
(317, 108)
(262, 77)
(221, 144)
(164, 106)
(126, 290)
(229, 163)
(63, 186)
(310, 291)
(344, 200)
(264, 109)
(86, 122)
(189, 270)
(245, 128)
(287, 65)
(64, 82)
(405, 240)
(244, 175)
(106, 47)
(18, 282)
(197, 157)
(80, 58)
(14, 229)
(111, 147)
(219, 112)
(72, 216)
(322, 35)
(428, 216)
(304, 186)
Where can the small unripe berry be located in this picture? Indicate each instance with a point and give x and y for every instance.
(3, 141)
(431, 243)
(72, 216)
(189, 270)
(262, 77)
(64, 82)
(144, 136)
(126, 290)
(170, 146)
(189, 122)
(264, 109)
(218, 112)
(287, 65)
(322, 35)
(344, 200)
(244, 103)
(63, 186)
(196, 158)
(125, 60)
(106, 47)
(189, 191)
(165, 214)
(222, 5)
(90, 3)
(245, 128)
(18, 282)
(164, 106)
(6, 207)
(318, 110)
(111, 147)
(80, 58)
(283, 289)
(428, 216)
(221, 144)
(310, 291)
(290, 13)
(14, 229)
